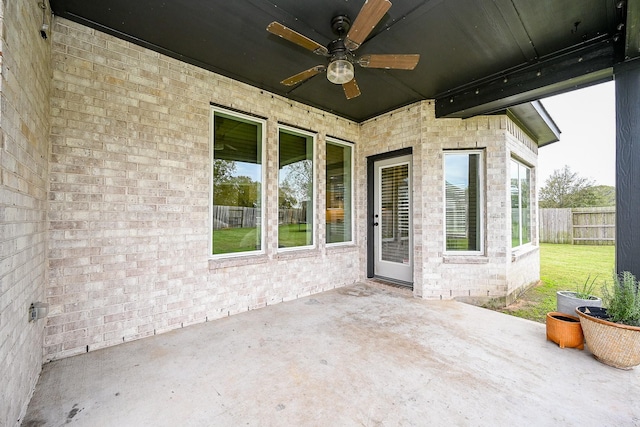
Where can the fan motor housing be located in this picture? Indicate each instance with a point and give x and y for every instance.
(340, 25)
(337, 49)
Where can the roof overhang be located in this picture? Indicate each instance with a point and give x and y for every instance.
(534, 119)
(476, 56)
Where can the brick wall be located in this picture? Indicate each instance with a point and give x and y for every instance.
(386, 133)
(495, 274)
(24, 141)
(477, 276)
(129, 197)
(524, 265)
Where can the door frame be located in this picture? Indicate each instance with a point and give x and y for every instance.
(371, 160)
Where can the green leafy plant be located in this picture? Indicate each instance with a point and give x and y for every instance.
(585, 291)
(623, 299)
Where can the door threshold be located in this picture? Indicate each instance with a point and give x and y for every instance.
(392, 282)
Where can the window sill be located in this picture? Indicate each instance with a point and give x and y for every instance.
(298, 253)
(465, 259)
(522, 252)
(341, 247)
(237, 261)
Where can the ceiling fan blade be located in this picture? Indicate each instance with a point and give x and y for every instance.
(305, 75)
(351, 89)
(390, 62)
(371, 13)
(288, 34)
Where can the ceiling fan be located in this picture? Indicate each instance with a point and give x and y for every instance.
(341, 50)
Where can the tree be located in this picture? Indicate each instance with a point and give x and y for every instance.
(604, 195)
(232, 190)
(286, 198)
(223, 188)
(297, 178)
(247, 191)
(223, 170)
(566, 189)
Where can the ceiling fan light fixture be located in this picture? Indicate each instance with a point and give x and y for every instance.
(340, 51)
(340, 71)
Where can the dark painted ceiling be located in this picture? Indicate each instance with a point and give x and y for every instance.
(477, 56)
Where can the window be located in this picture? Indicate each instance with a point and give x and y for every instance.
(295, 188)
(237, 177)
(463, 201)
(520, 204)
(339, 192)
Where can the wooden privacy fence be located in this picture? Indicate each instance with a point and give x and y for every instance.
(234, 217)
(578, 226)
(241, 217)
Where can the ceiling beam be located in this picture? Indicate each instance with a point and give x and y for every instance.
(570, 69)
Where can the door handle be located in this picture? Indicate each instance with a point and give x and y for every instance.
(375, 224)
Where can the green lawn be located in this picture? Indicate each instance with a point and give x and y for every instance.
(230, 240)
(294, 235)
(564, 267)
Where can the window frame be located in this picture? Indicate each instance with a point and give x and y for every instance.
(351, 147)
(481, 202)
(520, 164)
(235, 115)
(303, 133)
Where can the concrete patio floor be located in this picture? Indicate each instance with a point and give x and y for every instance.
(362, 355)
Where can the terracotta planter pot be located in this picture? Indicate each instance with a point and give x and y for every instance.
(613, 344)
(567, 302)
(564, 330)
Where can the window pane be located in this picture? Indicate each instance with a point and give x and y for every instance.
(520, 204)
(395, 213)
(295, 195)
(462, 194)
(338, 215)
(525, 204)
(237, 185)
(515, 204)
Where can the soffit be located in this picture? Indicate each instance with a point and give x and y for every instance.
(461, 42)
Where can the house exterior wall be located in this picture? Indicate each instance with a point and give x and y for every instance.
(24, 142)
(496, 273)
(129, 198)
(523, 263)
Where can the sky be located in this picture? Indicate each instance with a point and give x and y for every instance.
(587, 122)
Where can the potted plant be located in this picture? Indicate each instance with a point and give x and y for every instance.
(613, 333)
(568, 301)
(564, 330)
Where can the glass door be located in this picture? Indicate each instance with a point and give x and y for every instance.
(393, 236)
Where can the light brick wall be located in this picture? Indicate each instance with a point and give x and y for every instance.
(389, 132)
(129, 197)
(436, 275)
(455, 276)
(24, 141)
(524, 268)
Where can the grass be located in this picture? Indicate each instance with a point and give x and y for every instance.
(232, 240)
(294, 235)
(564, 268)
